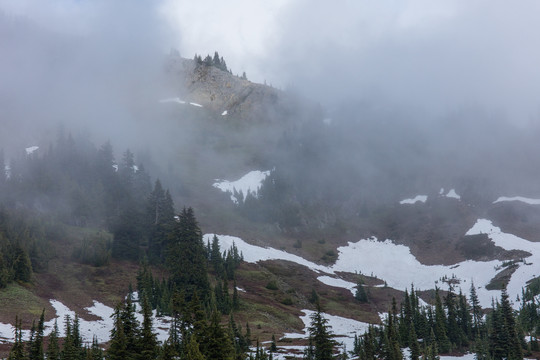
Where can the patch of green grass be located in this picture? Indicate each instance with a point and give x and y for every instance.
(21, 300)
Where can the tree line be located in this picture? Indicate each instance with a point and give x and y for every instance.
(454, 324)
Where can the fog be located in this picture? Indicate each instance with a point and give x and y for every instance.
(430, 56)
(86, 66)
(421, 94)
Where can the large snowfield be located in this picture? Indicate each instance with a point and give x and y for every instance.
(384, 260)
(396, 265)
(399, 268)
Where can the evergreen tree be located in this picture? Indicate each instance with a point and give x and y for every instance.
(118, 343)
(216, 258)
(160, 219)
(148, 341)
(513, 346)
(17, 350)
(360, 293)
(36, 344)
(53, 349)
(192, 350)
(321, 336)
(186, 258)
(452, 327)
(440, 324)
(273, 346)
(413, 344)
(95, 352)
(216, 344)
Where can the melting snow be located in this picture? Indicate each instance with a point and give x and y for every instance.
(176, 100)
(518, 198)
(524, 272)
(30, 150)
(452, 194)
(88, 329)
(249, 183)
(401, 267)
(336, 282)
(253, 253)
(343, 328)
(421, 198)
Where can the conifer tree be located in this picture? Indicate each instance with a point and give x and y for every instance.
(216, 343)
(235, 298)
(53, 349)
(192, 350)
(216, 258)
(148, 341)
(321, 335)
(440, 324)
(36, 344)
(514, 351)
(452, 328)
(360, 293)
(273, 346)
(118, 343)
(17, 350)
(186, 259)
(413, 343)
(95, 353)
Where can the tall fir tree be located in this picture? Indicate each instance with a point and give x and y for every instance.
(53, 349)
(321, 336)
(148, 342)
(186, 256)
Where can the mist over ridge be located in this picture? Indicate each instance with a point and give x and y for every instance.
(104, 76)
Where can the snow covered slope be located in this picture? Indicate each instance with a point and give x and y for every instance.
(396, 265)
(247, 184)
(88, 329)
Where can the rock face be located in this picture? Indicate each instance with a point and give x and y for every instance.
(229, 95)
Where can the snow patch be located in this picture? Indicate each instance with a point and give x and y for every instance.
(195, 104)
(418, 198)
(518, 198)
(524, 272)
(336, 282)
(249, 183)
(452, 194)
(88, 329)
(30, 150)
(400, 268)
(175, 100)
(224, 113)
(253, 253)
(468, 356)
(344, 329)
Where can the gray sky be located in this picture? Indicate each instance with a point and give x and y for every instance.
(435, 56)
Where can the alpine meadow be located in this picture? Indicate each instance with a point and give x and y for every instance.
(258, 180)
